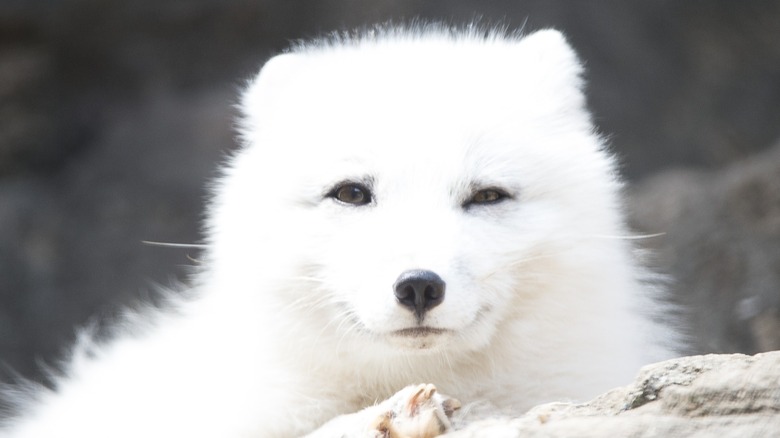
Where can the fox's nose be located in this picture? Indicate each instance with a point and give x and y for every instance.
(419, 291)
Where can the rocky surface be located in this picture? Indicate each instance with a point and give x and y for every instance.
(724, 396)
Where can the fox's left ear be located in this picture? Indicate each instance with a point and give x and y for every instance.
(549, 51)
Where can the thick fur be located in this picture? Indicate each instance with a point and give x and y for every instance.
(293, 320)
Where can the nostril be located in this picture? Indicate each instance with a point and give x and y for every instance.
(405, 294)
(433, 293)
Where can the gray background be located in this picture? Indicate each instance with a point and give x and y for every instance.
(113, 115)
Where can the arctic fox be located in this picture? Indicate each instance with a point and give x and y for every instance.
(412, 206)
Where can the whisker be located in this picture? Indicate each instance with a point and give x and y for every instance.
(194, 260)
(516, 263)
(524, 260)
(339, 317)
(307, 278)
(307, 303)
(354, 325)
(629, 237)
(173, 245)
(448, 362)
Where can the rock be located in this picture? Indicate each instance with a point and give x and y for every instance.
(697, 396)
(721, 249)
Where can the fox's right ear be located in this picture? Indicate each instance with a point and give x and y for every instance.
(548, 50)
(265, 86)
(551, 46)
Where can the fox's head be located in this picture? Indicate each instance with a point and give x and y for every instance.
(412, 189)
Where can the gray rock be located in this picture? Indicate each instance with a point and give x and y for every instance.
(697, 396)
(720, 248)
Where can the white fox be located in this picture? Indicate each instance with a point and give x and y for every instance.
(411, 206)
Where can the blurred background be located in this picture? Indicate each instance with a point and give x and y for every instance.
(113, 115)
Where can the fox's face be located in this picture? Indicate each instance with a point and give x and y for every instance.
(415, 248)
(391, 203)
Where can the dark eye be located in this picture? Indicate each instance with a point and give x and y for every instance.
(352, 193)
(486, 196)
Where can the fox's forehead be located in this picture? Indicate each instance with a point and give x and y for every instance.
(430, 124)
(399, 141)
(376, 113)
(434, 157)
(432, 109)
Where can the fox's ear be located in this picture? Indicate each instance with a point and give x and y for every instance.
(552, 54)
(275, 73)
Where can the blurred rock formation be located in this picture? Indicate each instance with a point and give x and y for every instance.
(720, 249)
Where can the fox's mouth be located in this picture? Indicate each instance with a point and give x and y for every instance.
(418, 332)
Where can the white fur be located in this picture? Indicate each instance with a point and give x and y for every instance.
(292, 317)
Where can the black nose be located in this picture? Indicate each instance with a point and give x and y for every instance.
(419, 291)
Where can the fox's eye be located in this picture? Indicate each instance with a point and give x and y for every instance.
(352, 193)
(486, 196)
